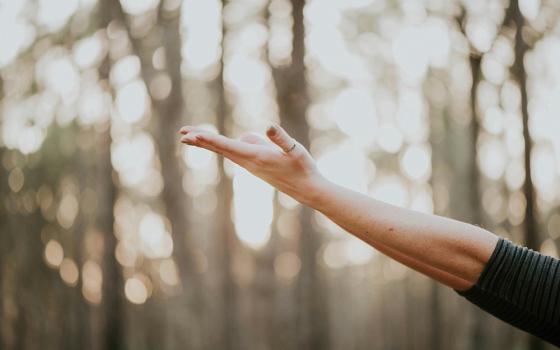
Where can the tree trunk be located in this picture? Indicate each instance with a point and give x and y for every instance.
(438, 130)
(3, 233)
(113, 284)
(293, 100)
(532, 239)
(478, 338)
(80, 320)
(226, 238)
(168, 118)
(471, 212)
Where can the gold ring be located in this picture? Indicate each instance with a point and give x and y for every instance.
(291, 148)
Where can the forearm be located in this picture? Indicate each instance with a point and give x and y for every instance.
(430, 271)
(513, 283)
(444, 249)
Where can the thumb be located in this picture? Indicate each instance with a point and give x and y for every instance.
(279, 136)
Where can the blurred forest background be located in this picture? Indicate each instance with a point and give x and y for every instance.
(113, 235)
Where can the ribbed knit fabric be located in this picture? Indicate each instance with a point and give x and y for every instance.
(521, 287)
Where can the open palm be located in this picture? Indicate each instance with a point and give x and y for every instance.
(292, 171)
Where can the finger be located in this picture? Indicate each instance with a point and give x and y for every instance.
(279, 136)
(185, 129)
(224, 144)
(188, 139)
(219, 151)
(254, 138)
(189, 128)
(194, 140)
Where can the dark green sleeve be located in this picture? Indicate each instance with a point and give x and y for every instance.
(521, 287)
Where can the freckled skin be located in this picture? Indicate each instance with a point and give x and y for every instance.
(449, 251)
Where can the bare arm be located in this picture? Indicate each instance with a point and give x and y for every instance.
(449, 251)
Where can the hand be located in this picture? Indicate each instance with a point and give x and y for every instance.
(289, 168)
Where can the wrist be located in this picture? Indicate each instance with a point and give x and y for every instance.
(317, 188)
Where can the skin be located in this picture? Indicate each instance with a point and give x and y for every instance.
(449, 251)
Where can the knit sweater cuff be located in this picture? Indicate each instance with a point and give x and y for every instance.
(521, 287)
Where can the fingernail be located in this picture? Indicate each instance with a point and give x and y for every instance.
(271, 130)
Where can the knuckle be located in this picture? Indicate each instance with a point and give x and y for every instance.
(299, 164)
(298, 153)
(300, 159)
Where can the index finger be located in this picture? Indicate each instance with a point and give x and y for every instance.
(227, 145)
